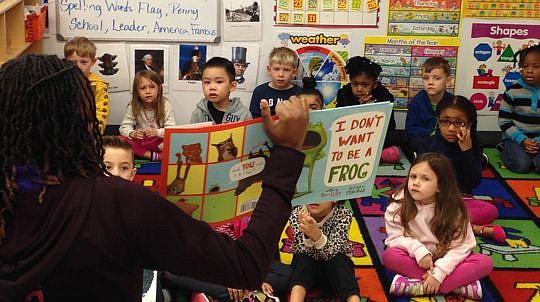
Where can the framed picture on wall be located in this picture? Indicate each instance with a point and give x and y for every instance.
(151, 57)
(188, 60)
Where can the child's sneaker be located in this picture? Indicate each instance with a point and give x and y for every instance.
(390, 155)
(471, 291)
(403, 286)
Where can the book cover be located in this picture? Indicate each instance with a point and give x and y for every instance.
(214, 172)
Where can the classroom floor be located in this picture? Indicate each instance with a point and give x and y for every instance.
(516, 274)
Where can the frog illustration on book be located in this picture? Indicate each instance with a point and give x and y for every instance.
(312, 147)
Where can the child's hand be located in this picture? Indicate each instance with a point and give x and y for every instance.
(308, 225)
(366, 99)
(530, 145)
(238, 295)
(464, 139)
(150, 132)
(137, 134)
(267, 289)
(431, 285)
(426, 262)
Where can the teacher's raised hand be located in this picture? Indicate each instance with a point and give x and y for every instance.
(290, 128)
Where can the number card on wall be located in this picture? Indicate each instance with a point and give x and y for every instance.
(354, 13)
(401, 59)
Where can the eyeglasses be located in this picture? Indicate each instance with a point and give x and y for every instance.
(456, 123)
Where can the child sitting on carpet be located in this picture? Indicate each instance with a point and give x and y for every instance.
(519, 115)
(322, 251)
(120, 161)
(430, 239)
(456, 138)
(148, 113)
(364, 88)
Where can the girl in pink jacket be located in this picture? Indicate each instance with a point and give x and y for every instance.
(430, 239)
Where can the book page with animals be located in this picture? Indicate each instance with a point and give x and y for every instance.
(214, 173)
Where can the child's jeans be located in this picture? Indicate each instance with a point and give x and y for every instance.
(474, 267)
(516, 159)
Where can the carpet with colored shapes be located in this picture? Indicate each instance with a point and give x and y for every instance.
(516, 273)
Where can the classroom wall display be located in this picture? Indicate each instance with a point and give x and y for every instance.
(112, 65)
(152, 57)
(328, 13)
(322, 55)
(401, 59)
(188, 60)
(424, 18)
(488, 61)
(157, 20)
(214, 172)
(245, 58)
(501, 9)
(242, 20)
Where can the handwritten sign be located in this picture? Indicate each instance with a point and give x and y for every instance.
(139, 20)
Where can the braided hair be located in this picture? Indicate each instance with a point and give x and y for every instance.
(48, 123)
(519, 56)
(361, 65)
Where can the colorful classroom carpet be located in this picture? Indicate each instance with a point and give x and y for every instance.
(516, 274)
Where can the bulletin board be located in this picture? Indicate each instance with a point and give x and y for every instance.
(327, 13)
(401, 59)
(156, 20)
(501, 9)
(488, 67)
(424, 18)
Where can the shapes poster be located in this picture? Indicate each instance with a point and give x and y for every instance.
(489, 67)
(323, 56)
(214, 172)
(424, 18)
(401, 59)
(501, 9)
(353, 13)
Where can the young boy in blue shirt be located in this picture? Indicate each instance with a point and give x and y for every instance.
(282, 68)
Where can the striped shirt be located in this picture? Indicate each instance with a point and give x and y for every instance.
(519, 115)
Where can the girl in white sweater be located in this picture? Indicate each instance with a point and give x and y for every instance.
(148, 113)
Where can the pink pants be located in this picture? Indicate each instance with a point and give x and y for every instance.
(140, 146)
(474, 267)
(480, 211)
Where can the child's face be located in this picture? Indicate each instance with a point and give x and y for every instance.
(530, 69)
(282, 75)
(435, 81)
(319, 210)
(119, 162)
(216, 85)
(84, 63)
(452, 121)
(313, 101)
(148, 91)
(362, 85)
(423, 183)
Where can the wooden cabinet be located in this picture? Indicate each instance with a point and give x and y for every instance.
(12, 32)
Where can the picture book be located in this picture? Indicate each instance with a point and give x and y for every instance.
(214, 172)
